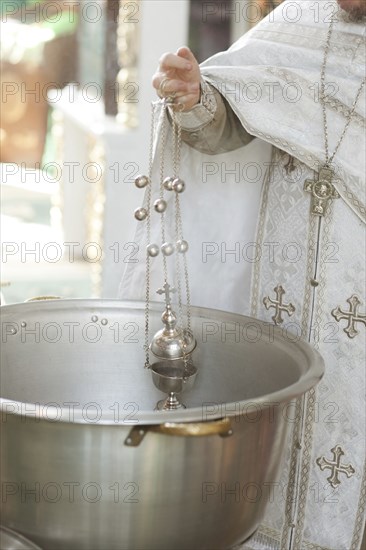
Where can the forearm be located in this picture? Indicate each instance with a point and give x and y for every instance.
(211, 126)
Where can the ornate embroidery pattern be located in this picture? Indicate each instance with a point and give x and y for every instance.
(331, 102)
(352, 316)
(336, 467)
(311, 396)
(311, 37)
(284, 145)
(360, 520)
(208, 98)
(265, 538)
(278, 305)
(260, 233)
(310, 546)
(261, 274)
(311, 160)
(338, 107)
(297, 434)
(300, 466)
(290, 493)
(351, 199)
(306, 463)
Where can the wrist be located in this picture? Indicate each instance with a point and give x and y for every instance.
(207, 98)
(192, 104)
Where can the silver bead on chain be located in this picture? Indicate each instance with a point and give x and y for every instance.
(329, 159)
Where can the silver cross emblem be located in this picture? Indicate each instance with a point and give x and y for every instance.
(278, 305)
(336, 467)
(167, 290)
(352, 316)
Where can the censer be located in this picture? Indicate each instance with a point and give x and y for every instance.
(173, 344)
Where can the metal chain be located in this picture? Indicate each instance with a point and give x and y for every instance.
(148, 236)
(176, 155)
(179, 218)
(177, 130)
(328, 160)
(162, 166)
(186, 273)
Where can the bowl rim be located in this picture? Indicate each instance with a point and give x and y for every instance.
(306, 381)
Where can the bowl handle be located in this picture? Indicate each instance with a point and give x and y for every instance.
(221, 427)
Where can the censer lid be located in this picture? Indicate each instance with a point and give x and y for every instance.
(172, 342)
(175, 346)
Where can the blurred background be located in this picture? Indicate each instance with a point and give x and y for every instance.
(74, 129)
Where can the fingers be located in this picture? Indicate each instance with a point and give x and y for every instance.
(178, 76)
(179, 87)
(170, 61)
(184, 103)
(186, 53)
(184, 93)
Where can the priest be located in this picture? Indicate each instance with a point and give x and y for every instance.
(273, 156)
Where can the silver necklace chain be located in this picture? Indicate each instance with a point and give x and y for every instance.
(329, 159)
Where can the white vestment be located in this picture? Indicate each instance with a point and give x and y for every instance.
(250, 227)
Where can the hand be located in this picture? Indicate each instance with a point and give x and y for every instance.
(181, 75)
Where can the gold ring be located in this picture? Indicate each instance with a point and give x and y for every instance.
(162, 84)
(169, 99)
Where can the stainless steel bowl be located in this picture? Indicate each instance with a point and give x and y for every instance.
(10, 540)
(88, 464)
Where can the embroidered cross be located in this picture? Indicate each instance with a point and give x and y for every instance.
(352, 316)
(166, 290)
(278, 305)
(322, 191)
(336, 467)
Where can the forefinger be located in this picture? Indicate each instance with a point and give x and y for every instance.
(169, 61)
